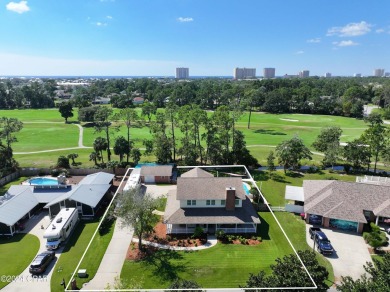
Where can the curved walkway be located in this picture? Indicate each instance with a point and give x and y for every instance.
(212, 241)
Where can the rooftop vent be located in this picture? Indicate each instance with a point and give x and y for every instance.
(53, 227)
(59, 220)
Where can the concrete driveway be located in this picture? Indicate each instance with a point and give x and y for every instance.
(159, 190)
(25, 281)
(351, 253)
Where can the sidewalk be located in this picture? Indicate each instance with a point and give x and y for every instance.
(212, 241)
(112, 262)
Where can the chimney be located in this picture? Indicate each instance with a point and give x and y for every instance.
(230, 199)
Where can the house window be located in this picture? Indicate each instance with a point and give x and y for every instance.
(223, 202)
(210, 202)
(191, 202)
(237, 202)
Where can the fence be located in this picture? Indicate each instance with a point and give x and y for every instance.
(278, 208)
(48, 171)
(373, 179)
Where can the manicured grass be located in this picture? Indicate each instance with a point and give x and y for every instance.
(19, 250)
(266, 129)
(222, 266)
(72, 253)
(95, 254)
(5, 187)
(274, 189)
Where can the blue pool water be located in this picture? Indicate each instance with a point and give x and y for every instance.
(246, 189)
(43, 181)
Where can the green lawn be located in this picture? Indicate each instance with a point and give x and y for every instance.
(5, 187)
(95, 254)
(19, 250)
(210, 267)
(266, 130)
(72, 253)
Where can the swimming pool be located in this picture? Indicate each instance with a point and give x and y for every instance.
(246, 188)
(43, 181)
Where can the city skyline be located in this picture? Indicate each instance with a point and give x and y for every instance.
(129, 38)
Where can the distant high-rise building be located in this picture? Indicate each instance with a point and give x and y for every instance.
(379, 72)
(357, 75)
(244, 73)
(304, 73)
(269, 72)
(328, 75)
(387, 74)
(182, 73)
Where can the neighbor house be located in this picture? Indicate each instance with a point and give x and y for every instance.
(213, 203)
(20, 202)
(156, 173)
(345, 205)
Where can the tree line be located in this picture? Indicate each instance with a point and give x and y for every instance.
(333, 96)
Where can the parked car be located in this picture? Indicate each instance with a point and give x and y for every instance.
(313, 231)
(41, 262)
(323, 243)
(315, 219)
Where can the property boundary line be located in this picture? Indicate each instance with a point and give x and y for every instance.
(206, 289)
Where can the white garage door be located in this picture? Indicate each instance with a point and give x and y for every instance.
(149, 179)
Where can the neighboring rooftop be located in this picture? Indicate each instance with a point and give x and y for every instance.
(156, 170)
(346, 200)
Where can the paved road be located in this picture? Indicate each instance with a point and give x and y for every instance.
(25, 282)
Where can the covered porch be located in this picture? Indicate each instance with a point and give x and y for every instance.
(211, 228)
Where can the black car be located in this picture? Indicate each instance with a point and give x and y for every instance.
(323, 243)
(41, 261)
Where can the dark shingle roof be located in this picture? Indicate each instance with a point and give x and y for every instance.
(346, 200)
(203, 188)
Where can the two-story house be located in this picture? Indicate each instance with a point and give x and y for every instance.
(213, 203)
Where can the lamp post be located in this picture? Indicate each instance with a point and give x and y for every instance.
(63, 283)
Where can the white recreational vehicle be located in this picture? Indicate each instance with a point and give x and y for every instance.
(134, 180)
(60, 228)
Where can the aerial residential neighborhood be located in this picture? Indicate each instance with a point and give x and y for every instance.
(194, 146)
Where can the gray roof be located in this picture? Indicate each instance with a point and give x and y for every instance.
(156, 170)
(176, 215)
(346, 200)
(203, 188)
(23, 198)
(89, 194)
(98, 178)
(197, 172)
(21, 202)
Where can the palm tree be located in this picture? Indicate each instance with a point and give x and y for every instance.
(99, 145)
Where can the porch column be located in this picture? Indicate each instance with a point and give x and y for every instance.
(236, 227)
(186, 229)
(377, 220)
(10, 229)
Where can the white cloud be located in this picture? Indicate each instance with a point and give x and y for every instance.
(314, 41)
(20, 7)
(185, 19)
(299, 52)
(351, 29)
(100, 23)
(380, 30)
(109, 17)
(348, 43)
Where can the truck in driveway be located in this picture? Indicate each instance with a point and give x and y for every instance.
(61, 227)
(313, 231)
(323, 243)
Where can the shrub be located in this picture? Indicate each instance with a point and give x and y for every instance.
(63, 162)
(259, 238)
(196, 244)
(198, 232)
(168, 238)
(106, 225)
(221, 235)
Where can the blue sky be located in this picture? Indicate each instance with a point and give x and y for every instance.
(211, 37)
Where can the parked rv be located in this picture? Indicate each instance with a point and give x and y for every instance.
(61, 227)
